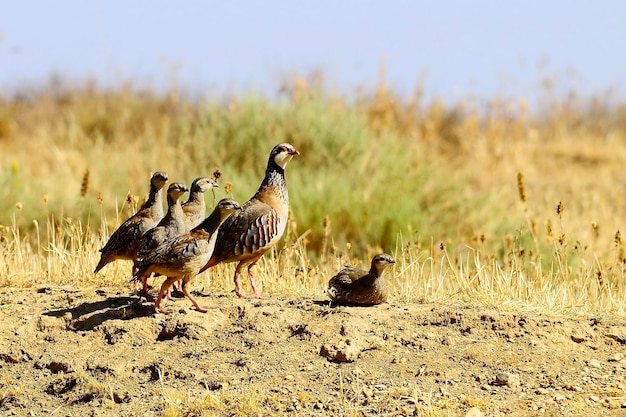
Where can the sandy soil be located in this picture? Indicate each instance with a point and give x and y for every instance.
(67, 352)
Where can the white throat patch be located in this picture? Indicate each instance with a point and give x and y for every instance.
(282, 159)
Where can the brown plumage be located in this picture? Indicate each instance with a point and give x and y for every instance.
(183, 256)
(172, 224)
(248, 234)
(356, 286)
(123, 242)
(195, 206)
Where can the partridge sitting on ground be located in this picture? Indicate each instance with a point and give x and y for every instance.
(172, 224)
(195, 206)
(124, 241)
(248, 234)
(183, 256)
(356, 286)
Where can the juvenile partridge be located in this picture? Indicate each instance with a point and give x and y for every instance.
(172, 224)
(183, 256)
(124, 241)
(195, 206)
(248, 234)
(359, 287)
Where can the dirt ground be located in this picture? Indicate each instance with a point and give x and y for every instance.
(69, 352)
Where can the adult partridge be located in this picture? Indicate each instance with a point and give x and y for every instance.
(247, 235)
(172, 224)
(359, 287)
(124, 241)
(183, 256)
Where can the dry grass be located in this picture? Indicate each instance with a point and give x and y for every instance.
(490, 204)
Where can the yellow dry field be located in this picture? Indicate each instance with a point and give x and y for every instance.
(505, 220)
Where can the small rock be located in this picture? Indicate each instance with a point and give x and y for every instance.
(506, 379)
(542, 391)
(594, 398)
(502, 379)
(616, 358)
(559, 398)
(594, 363)
(474, 412)
(578, 338)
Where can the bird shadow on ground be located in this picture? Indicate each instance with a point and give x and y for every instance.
(89, 315)
(333, 304)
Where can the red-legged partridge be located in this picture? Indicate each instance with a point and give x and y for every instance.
(124, 241)
(183, 256)
(248, 234)
(359, 287)
(172, 224)
(195, 206)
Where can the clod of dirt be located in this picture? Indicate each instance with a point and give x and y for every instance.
(346, 350)
(300, 331)
(56, 364)
(618, 334)
(195, 326)
(61, 386)
(353, 337)
(136, 332)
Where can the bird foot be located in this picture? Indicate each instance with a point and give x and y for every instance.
(161, 310)
(145, 293)
(204, 308)
(241, 294)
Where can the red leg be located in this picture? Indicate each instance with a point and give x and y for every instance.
(145, 287)
(199, 307)
(237, 280)
(255, 288)
(166, 285)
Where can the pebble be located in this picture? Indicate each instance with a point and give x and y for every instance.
(616, 358)
(578, 338)
(594, 363)
(474, 412)
(594, 398)
(502, 379)
(506, 379)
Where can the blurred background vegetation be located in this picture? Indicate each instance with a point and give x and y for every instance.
(376, 170)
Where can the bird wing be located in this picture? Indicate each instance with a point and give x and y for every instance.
(128, 234)
(248, 232)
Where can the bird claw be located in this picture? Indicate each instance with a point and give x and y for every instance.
(205, 308)
(162, 310)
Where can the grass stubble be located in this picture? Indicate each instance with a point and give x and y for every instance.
(494, 207)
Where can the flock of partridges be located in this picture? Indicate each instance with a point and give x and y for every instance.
(182, 243)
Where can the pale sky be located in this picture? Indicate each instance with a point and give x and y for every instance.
(453, 48)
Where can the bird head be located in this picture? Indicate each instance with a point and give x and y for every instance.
(382, 261)
(282, 153)
(175, 190)
(227, 206)
(202, 184)
(158, 179)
